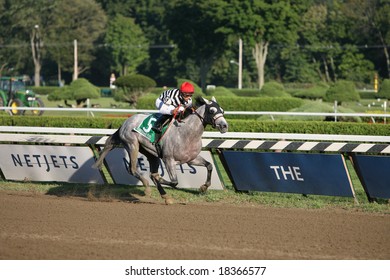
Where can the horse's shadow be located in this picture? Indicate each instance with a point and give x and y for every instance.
(108, 192)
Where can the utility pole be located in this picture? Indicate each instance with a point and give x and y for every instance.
(239, 63)
(75, 66)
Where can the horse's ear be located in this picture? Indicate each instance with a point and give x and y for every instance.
(213, 99)
(201, 100)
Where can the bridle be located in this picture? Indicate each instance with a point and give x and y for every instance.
(208, 119)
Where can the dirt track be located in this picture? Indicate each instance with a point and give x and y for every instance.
(35, 226)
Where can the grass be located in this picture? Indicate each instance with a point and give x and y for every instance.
(111, 193)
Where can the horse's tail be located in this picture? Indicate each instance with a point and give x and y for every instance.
(111, 142)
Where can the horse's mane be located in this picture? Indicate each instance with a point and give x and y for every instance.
(199, 101)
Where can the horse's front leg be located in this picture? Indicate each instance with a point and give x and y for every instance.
(200, 161)
(158, 180)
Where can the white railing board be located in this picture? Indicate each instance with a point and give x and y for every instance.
(207, 134)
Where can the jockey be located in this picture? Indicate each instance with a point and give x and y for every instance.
(172, 101)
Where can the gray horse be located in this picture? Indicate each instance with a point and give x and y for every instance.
(181, 143)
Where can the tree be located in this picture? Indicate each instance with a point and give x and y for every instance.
(371, 24)
(127, 44)
(354, 67)
(260, 23)
(50, 26)
(195, 27)
(322, 31)
(81, 20)
(31, 20)
(79, 90)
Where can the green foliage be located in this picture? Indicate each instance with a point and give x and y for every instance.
(306, 41)
(354, 67)
(43, 90)
(316, 107)
(315, 127)
(299, 68)
(220, 91)
(273, 89)
(317, 91)
(195, 28)
(84, 21)
(132, 87)
(240, 104)
(342, 91)
(384, 91)
(235, 125)
(246, 92)
(127, 43)
(79, 90)
(60, 121)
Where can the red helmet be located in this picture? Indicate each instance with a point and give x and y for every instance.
(186, 87)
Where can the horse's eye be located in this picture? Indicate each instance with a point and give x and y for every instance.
(223, 112)
(213, 110)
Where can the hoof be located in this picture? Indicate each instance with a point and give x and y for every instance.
(203, 188)
(148, 191)
(168, 200)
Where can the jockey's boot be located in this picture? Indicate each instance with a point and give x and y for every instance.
(158, 125)
(158, 149)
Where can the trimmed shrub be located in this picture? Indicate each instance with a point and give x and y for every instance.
(220, 91)
(246, 92)
(273, 89)
(384, 91)
(46, 90)
(316, 107)
(79, 90)
(342, 91)
(132, 87)
(315, 92)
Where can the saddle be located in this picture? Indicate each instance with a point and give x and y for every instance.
(145, 128)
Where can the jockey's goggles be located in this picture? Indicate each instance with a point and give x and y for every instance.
(187, 94)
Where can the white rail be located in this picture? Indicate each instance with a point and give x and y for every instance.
(37, 131)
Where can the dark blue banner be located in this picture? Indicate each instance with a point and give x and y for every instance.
(320, 174)
(374, 173)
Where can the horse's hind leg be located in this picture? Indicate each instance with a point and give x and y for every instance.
(200, 161)
(132, 151)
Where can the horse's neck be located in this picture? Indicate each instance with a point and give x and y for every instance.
(193, 124)
(197, 118)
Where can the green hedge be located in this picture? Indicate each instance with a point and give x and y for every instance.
(309, 127)
(246, 92)
(60, 121)
(240, 103)
(43, 90)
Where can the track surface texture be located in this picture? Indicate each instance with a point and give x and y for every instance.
(37, 226)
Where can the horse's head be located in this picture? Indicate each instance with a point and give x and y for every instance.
(213, 114)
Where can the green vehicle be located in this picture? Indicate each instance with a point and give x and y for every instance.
(13, 93)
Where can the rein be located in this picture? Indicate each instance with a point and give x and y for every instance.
(200, 117)
(203, 119)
